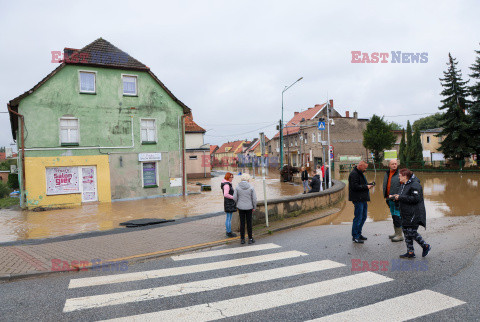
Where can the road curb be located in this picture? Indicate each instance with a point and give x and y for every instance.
(145, 257)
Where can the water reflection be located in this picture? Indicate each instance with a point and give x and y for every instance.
(16, 225)
(446, 194)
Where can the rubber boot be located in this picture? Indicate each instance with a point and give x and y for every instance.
(394, 234)
(398, 234)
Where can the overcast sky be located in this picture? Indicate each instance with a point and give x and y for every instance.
(230, 60)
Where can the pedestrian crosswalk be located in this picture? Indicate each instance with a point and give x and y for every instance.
(419, 304)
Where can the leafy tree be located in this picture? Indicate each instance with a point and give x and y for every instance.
(378, 137)
(475, 106)
(403, 147)
(13, 181)
(395, 126)
(408, 148)
(417, 149)
(456, 144)
(430, 122)
(2, 149)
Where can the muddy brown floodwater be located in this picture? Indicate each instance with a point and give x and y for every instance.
(18, 225)
(446, 194)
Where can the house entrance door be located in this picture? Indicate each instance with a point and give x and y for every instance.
(89, 184)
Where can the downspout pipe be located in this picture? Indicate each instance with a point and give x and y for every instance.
(184, 177)
(22, 140)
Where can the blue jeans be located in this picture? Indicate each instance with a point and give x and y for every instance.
(361, 210)
(305, 185)
(228, 222)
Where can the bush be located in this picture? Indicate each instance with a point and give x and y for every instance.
(13, 181)
(4, 190)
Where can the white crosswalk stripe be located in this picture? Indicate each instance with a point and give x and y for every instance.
(258, 302)
(138, 276)
(400, 308)
(195, 287)
(227, 251)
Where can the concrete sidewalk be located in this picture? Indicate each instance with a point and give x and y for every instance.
(35, 258)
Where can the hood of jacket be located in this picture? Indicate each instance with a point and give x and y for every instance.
(244, 185)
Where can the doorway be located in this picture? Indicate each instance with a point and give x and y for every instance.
(89, 184)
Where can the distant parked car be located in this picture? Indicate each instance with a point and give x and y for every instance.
(15, 194)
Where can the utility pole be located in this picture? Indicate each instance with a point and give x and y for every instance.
(262, 147)
(281, 124)
(329, 154)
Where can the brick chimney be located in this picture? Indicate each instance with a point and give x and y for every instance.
(331, 103)
(347, 114)
(295, 113)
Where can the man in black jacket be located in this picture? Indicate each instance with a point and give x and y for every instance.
(358, 194)
(315, 183)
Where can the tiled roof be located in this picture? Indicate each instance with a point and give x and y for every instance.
(233, 145)
(308, 115)
(437, 130)
(213, 148)
(102, 53)
(191, 126)
(99, 53)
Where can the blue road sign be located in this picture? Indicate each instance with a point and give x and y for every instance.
(321, 126)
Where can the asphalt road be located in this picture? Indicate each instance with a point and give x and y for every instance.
(296, 275)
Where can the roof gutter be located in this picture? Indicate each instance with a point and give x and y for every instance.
(22, 140)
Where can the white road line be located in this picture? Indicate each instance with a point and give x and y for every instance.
(227, 251)
(400, 308)
(263, 301)
(88, 302)
(174, 271)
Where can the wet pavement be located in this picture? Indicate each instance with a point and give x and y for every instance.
(446, 194)
(19, 225)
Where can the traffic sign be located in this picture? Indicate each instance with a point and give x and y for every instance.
(321, 126)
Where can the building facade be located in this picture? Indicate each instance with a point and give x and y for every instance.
(307, 144)
(101, 126)
(197, 155)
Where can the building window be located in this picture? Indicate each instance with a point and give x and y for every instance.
(148, 131)
(69, 131)
(193, 157)
(306, 140)
(149, 174)
(87, 82)
(129, 85)
(313, 137)
(319, 137)
(428, 139)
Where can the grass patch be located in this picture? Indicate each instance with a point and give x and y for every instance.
(9, 202)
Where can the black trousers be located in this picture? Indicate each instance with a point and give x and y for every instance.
(245, 215)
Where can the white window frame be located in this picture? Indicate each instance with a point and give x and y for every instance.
(94, 81)
(313, 137)
(136, 85)
(156, 173)
(60, 129)
(155, 122)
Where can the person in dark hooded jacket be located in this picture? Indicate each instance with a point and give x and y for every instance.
(412, 211)
(315, 183)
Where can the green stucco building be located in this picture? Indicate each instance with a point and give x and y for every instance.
(101, 126)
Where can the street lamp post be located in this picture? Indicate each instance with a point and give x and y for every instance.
(281, 123)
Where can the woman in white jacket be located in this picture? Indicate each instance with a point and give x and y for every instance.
(246, 200)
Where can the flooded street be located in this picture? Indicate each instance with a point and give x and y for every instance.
(446, 194)
(18, 225)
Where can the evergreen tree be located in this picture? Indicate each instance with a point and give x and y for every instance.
(402, 151)
(475, 107)
(378, 137)
(417, 149)
(456, 144)
(408, 147)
